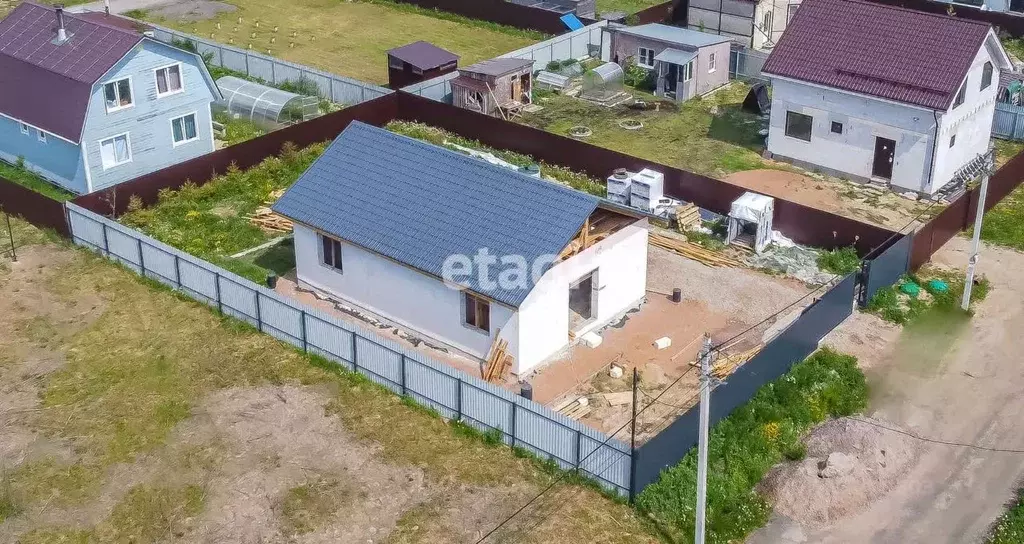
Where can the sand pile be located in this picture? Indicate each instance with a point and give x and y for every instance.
(848, 464)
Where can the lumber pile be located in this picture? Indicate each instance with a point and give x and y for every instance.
(687, 217)
(498, 361)
(728, 364)
(692, 251)
(266, 219)
(574, 408)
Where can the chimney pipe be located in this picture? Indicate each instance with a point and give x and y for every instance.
(62, 34)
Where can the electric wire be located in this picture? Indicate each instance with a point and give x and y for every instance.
(935, 440)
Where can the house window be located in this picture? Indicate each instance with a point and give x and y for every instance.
(960, 95)
(330, 255)
(115, 151)
(688, 71)
(952, 140)
(798, 125)
(711, 63)
(766, 23)
(477, 312)
(118, 94)
(791, 11)
(183, 129)
(837, 127)
(986, 76)
(24, 128)
(646, 57)
(168, 80)
(41, 136)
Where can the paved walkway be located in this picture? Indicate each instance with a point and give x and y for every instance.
(960, 385)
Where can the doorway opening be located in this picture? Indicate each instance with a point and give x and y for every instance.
(582, 301)
(671, 80)
(885, 152)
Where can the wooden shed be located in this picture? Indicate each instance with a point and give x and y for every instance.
(498, 87)
(418, 61)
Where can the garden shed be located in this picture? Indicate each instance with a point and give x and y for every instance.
(267, 106)
(498, 87)
(418, 61)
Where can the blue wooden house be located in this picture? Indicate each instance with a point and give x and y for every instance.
(88, 101)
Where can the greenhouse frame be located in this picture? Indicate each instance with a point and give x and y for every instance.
(264, 105)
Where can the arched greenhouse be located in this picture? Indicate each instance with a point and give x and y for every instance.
(267, 106)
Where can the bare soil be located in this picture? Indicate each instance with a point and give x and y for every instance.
(190, 11)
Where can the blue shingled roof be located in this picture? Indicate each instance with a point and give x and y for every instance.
(418, 203)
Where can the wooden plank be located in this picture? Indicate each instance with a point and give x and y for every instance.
(619, 399)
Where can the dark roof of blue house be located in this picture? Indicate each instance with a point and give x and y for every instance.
(48, 85)
(418, 204)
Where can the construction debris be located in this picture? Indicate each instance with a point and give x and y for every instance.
(663, 342)
(692, 251)
(687, 217)
(728, 364)
(795, 262)
(619, 399)
(498, 361)
(266, 219)
(574, 408)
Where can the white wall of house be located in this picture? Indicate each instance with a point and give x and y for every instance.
(770, 19)
(863, 118)
(970, 122)
(404, 296)
(621, 281)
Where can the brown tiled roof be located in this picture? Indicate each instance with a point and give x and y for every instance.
(884, 51)
(48, 85)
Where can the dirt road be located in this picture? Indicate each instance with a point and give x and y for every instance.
(957, 382)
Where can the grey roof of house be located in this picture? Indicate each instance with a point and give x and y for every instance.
(676, 56)
(673, 34)
(423, 55)
(418, 204)
(497, 67)
(48, 85)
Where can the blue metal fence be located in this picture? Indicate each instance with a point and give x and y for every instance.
(1008, 121)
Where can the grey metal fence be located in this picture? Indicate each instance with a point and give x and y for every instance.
(339, 89)
(1008, 121)
(745, 64)
(883, 268)
(454, 394)
(584, 42)
(793, 345)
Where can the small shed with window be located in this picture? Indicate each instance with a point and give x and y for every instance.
(498, 87)
(682, 63)
(418, 61)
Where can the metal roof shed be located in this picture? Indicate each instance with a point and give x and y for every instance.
(264, 105)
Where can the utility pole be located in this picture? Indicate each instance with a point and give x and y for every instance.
(972, 262)
(702, 444)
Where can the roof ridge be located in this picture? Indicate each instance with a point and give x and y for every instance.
(918, 12)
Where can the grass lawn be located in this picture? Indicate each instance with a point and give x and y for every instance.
(22, 176)
(712, 136)
(210, 221)
(350, 38)
(628, 6)
(137, 415)
(1004, 223)
(1009, 528)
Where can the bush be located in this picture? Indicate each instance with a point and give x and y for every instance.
(553, 66)
(841, 261)
(303, 86)
(745, 445)
(640, 78)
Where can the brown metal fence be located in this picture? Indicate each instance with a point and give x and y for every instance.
(1012, 24)
(36, 208)
(803, 224)
(501, 12)
(661, 13)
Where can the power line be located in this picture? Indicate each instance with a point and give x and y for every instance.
(935, 440)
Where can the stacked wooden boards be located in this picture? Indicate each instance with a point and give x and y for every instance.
(692, 251)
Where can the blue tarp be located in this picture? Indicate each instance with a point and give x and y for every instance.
(572, 21)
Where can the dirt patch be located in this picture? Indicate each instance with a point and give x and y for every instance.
(845, 198)
(191, 11)
(848, 465)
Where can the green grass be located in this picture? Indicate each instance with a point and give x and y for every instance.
(895, 306)
(1004, 223)
(1009, 528)
(692, 138)
(22, 176)
(209, 221)
(840, 261)
(628, 6)
(237, 130)
(745, 445)
(444, 138)
(350, 38)
(309, 506)
(152, 514)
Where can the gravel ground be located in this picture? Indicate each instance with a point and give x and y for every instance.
(743, 294)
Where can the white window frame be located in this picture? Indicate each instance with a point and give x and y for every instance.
(128, 146)
(24, 127)
(711, 63)
(41, 135)
(640, 57)
(186, 140)
(131, 90)
(181, 78)
(687, 71)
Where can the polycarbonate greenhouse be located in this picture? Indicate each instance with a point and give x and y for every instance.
(602, 83)
(264, 105)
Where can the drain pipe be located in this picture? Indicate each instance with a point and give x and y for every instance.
(935, 147)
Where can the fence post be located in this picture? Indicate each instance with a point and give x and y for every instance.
(259, 317)
(142, 261)
(402, 355)
(579, 449)
(355, 358)
(177, 270)
(106, 244)
(458, 398)
(216, 283)
(302, 317)
(514, 404)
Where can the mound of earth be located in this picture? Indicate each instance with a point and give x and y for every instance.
(849, 463)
